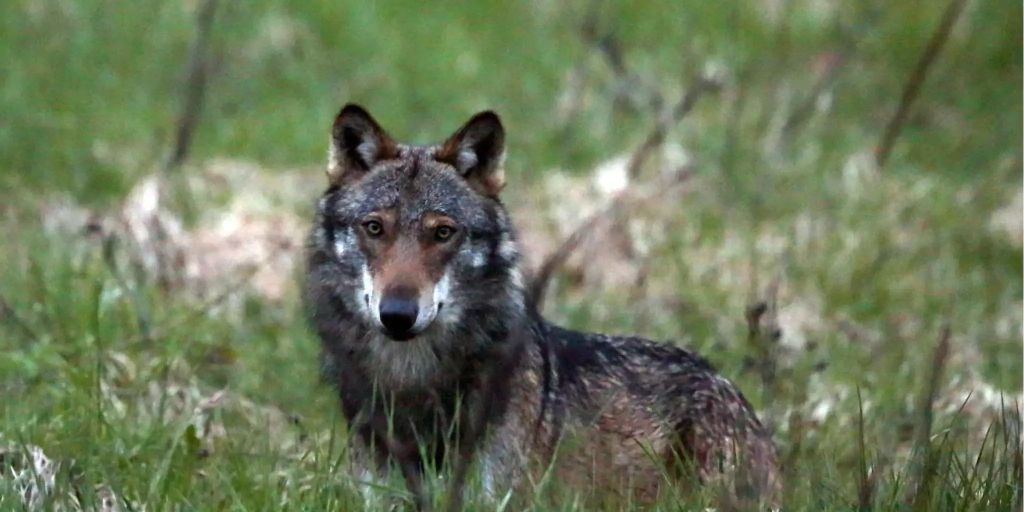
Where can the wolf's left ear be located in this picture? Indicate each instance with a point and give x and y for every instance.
(477, 152)
(357, 143)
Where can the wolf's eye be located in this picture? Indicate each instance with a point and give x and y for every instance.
(443, 233)
(373, 228)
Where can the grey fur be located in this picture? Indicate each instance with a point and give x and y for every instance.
(604, 412)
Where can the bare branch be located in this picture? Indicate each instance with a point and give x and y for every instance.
(557, 258)
(916, 79)
(920, 485)
(834, 64)
(142, 317)
(630, 88)
(654, 139)
(763, 335)
(662, 126)
(8, 314)
(866, 480)
(195, 86)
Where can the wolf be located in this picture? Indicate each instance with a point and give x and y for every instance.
(416, 289)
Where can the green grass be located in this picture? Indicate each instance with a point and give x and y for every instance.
(871, 264)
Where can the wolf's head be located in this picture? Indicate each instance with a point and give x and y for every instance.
(413, 261)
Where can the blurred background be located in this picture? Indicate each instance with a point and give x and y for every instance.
(822, 197)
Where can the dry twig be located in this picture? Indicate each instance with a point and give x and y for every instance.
(142, 317)
(919, 488)
(557, 258)
(662, 126)
(654, 139)
(866, 478)
(195, 86)
(763, 334)
(8, 314)
(916, 79)
(834, 64)
(629, 88)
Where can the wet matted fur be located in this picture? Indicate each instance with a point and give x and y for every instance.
(415, 289)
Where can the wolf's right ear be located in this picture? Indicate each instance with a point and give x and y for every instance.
(357, 143)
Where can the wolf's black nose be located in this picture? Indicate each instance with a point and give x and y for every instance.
(398, 316)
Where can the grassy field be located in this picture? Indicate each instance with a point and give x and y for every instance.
(177, 372)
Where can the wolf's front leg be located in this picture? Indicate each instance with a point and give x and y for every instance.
(375, 484)
(371, 463)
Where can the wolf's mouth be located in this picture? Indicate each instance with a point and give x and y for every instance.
(401, 337)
